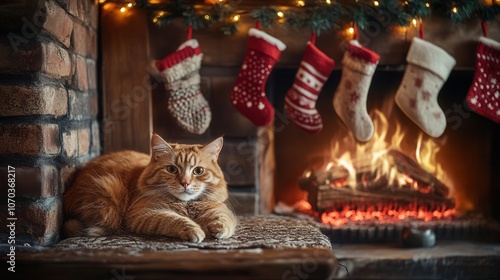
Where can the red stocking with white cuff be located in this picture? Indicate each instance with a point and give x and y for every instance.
(248, 95)
(300, 100)
(484, 94)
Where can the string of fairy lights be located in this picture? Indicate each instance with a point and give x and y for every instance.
(319, 15)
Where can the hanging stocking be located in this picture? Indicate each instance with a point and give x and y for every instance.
(248, 95)
(349, 102)
(484, 94)
(300, 100)
(427, 70)
(186, 104)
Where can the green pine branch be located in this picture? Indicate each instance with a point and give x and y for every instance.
(321, 16)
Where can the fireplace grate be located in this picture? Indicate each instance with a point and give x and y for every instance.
(466, 229)
(470, 227)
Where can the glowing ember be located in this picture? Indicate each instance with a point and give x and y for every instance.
(371, 216)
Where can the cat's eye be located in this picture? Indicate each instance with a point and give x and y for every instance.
(198, 170)
(171, 169)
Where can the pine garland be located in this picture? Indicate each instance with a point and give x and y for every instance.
(319, 15)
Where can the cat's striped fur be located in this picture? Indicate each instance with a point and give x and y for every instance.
(178, 191)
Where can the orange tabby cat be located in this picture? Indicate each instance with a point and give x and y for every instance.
(178, 191)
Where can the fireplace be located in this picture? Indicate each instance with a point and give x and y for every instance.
(370, 192)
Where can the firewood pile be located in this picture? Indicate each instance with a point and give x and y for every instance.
(414, 188)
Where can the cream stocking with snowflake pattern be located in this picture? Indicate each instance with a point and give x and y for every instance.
(349, 102)
(427, 70)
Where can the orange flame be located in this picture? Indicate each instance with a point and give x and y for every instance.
(371, 156)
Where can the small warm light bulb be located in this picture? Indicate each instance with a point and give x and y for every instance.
(236, 18)
(414, 22)
(280, 14)
(123, 9)
(161, 14)
(155, 20)
(350, 30)
(427, 5)
(130, 5)
(376, 3)
(207, 17)
(328, 2)
(301, 3)
(102, 1)
(454, 10)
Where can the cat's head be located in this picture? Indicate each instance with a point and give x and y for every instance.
(188, 172)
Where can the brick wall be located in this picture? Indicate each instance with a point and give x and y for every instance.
(48, 108)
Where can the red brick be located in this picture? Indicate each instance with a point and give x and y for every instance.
(91, 74)
(96, 140)
(47, 58)
(93, 18)
(33, 182)
(81, 80)
(40, 220)
(57, 61)
(70, 143)
(27, 58)
(85, 40)
(73, 7)
(82, 106)
(68, 174)
(83, 142)
(87, 11)
(58, 23)
(34, 100)
(29, 139)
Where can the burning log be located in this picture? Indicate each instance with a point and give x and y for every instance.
(411, 188)
(408, 166)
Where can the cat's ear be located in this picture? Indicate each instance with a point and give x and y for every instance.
(159, 147)
(213, 148)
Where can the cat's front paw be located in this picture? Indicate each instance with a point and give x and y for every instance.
(220, 230)
(192, 234)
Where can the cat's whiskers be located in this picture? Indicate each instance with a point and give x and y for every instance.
(212, 195)
(150, 192)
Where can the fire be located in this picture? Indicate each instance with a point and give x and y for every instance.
(378, 181)
(372, 156)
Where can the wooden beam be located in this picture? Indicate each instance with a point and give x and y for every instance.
(126, 86)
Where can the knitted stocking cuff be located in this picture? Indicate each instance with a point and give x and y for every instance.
(430, 57)
(360, 59)
(185, 60)
(265, 43)
(488, 46)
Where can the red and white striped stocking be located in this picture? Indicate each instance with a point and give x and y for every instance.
(300, 100)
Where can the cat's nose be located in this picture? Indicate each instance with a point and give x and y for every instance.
(184, 184)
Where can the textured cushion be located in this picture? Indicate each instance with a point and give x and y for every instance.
(252, 232)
